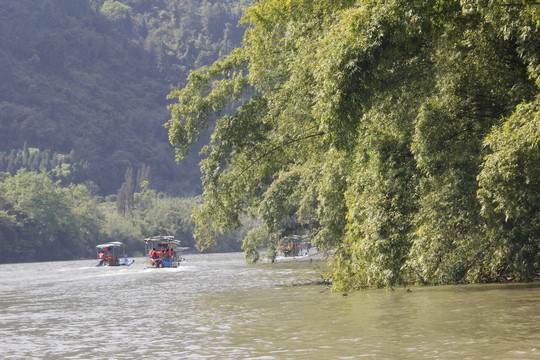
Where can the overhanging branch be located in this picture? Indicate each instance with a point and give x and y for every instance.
(265, 154)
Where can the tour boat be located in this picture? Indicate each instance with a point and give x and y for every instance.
(112, 254)
(294, 250)
(162, 252)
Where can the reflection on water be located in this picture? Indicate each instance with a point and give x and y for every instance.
(218, 307)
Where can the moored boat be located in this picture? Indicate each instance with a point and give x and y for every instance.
(163, 252)
(292, 249)
(112, 254)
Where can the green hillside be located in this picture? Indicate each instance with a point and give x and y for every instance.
(89, 78)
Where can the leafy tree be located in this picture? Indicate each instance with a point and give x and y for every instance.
(42, 221)
(509, 194)
(115, 10)
(366, 121)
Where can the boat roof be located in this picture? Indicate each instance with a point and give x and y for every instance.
(164, 239)
(110, 244)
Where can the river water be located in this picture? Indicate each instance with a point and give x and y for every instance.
(215, 306)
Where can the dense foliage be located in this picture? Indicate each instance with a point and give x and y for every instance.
(90, 78)
(40, 220)
(401, 134)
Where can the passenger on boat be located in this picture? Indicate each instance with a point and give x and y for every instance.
(161, 256)
(286, 249)
(102, 258)
(155, 259)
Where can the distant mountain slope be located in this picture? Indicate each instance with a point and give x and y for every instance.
(92, 77)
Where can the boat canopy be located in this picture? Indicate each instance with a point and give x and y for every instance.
(110, 245)
(169, 240)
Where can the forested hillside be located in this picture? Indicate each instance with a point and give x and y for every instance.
(88, 80)
(402, 134)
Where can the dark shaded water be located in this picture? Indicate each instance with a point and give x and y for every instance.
(218, 307)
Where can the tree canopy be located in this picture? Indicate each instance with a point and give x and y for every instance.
(41, 221)
(402, 135)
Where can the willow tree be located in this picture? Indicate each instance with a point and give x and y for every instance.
(363, 123)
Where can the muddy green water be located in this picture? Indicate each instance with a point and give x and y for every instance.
(218, 307)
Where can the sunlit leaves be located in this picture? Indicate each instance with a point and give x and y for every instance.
(510, 187)
(362, 124)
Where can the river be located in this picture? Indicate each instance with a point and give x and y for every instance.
(215, 306)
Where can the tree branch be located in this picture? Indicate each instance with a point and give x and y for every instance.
(276, 148)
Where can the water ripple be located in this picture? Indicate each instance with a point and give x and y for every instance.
(218, 307)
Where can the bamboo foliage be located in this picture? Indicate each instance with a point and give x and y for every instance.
(382, 122)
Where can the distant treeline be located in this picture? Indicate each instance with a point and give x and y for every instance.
(64, 167)
(40, 220)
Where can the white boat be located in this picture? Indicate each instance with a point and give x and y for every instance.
(112, 254)
(163, 252)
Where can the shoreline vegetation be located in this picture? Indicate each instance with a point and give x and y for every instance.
(41, 220)
(325, 278)
(404, 135)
